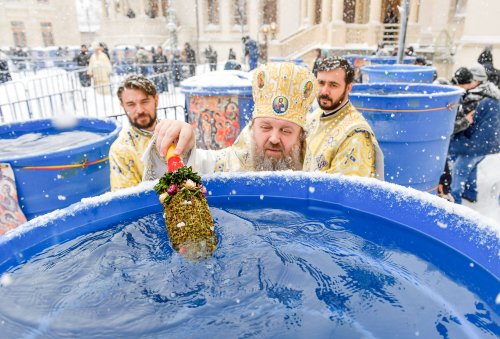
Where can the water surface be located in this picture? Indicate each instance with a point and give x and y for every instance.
(298, 272)
(31, 144)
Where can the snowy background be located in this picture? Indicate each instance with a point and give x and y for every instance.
(488, 203)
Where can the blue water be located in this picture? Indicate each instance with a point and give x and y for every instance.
(302, 272)
(31, 144)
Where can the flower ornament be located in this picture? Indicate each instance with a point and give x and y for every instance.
(172, 189)
(190, 184)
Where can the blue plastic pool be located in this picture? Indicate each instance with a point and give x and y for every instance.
(413, 124)
(377, 60)
(389, 60)
(299, 255)
(46, 182)
(398, 73)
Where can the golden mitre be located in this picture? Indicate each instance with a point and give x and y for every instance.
(283, 90)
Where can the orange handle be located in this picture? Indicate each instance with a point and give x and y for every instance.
(173, 161)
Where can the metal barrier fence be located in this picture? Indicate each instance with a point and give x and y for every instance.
(27, 66)
(55, 92)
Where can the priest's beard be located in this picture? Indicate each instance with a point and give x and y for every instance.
(292, 161)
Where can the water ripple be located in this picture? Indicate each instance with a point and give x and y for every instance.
(275, 273)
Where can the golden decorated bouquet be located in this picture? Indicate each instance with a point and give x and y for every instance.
(187, 216)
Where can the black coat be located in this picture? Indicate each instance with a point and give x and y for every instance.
(4, 71)
(486, 59)
(82, 59)
(161, 63)
(190, 56)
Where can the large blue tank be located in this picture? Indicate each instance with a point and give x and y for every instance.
(46, 182)
(356, 59)
(398, 73)
(389, 60)
(306, 254)
(376, 60)
(413, 124)
(297, 61)
(219, 104)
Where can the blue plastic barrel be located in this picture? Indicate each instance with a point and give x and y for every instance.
(413, 124)
(219, 105)
(389, 60)
(46, 182)
(398, 73)
(297, 61)
(356, 59)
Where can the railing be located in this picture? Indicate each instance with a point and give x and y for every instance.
(390, 34)
(26, 66)
(61, 92)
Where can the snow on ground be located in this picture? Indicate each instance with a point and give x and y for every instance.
(224, 79)
(488, 202)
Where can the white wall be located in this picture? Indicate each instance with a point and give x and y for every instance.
(481, 27)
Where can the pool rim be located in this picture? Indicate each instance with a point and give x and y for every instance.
(460, 228)
(450, 90)
(398, 68)
(110, 135)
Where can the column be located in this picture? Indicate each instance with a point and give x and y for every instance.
(111, 10)
(375, 11)
(105, 13)
(160, 9)
(337, 29)
(375, 26)
(225, 16)
(413, 31)
(310, 12)
(338, 10)
(414, 4)
(326, 7)
(303, 12)
(254, 6)
(141, 11)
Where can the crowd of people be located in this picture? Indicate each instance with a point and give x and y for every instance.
(263, 145)
(93, 63)
(282, 135)
(180, 64)
(476, 132)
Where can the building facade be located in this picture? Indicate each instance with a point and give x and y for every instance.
(452, 32)
(38, 23)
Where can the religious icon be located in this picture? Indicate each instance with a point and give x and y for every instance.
(280, 104)
(307, 89)
(261, 77)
